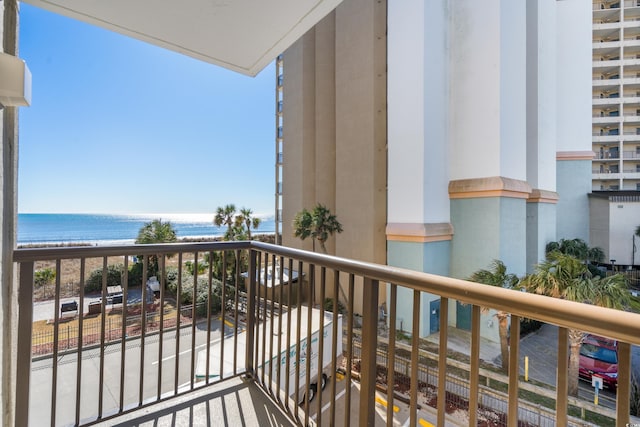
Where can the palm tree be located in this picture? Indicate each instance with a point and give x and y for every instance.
(319, 224)
(246, 219)
(225, 216)
(152, 232)
(564, 276)
(577, 248)
(498, 276)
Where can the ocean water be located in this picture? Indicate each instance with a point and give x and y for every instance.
(97, 229)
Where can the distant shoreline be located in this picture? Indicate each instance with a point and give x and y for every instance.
(263, 237)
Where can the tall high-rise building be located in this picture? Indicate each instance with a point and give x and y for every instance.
(616, 95)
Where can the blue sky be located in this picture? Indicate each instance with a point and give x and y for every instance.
(120, 126)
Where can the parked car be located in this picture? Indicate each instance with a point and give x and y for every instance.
(599, 356)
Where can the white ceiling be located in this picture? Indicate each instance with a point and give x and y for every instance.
(241, 35)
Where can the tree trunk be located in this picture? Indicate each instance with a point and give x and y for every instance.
(503, 327)
(575, 341)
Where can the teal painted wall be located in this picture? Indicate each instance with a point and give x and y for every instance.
(429, 257)
(486, 229)
(573, 186)
(541, 229)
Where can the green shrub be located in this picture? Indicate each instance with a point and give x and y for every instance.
(114, 278)
(186, 293)
(44, 277)
(328, 306)
(135, 274)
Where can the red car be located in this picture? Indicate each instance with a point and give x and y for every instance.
(599, 356)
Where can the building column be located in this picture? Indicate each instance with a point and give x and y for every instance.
(8, 221)
(541, 128)
(488, 183)
(418, 229)
(574, 149)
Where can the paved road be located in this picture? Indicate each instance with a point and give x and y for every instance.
(541, 348)
(67, 365)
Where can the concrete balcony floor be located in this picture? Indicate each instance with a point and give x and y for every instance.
(233, 402)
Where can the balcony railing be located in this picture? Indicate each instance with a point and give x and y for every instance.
(265, 312)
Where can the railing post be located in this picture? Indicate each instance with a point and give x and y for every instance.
(368, 356)
(25, 323)
(251, 312)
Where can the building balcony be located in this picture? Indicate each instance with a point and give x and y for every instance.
(262, 342)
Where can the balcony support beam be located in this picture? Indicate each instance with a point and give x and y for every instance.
(367, 414)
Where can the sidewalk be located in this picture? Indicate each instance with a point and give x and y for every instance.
(539, 346)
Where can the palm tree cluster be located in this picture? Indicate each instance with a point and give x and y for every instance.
(561, 275)
(319, 224)
(238, 225)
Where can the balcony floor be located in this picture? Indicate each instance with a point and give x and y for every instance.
(232, 402)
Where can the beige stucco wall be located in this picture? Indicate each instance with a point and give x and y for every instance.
(334, 131)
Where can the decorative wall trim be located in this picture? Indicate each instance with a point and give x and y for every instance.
(575, 155)
(543, 196)
(416, 232)
(493, 186)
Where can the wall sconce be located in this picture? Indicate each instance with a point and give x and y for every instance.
(15, 84)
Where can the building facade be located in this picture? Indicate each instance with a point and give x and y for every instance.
(616, 95)
(467, 142)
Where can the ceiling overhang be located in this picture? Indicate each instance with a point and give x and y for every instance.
(241, 35)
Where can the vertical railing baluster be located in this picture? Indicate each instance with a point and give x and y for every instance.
(251, 320)
(143, 326)
(312, 280)
(474, 367)
(271, 318)
(258, 303)
(514, 371)
(624, 384)
(163, 281)
(24, 344)
(262, 297)
(287, 385)
(442, 360)
(178, 318)
(194, 307)
(280, 348)
(415, 360)
(350, 314)
(80, 342)
(323, 284)
(208, 345)
(103, 319)
(208, 333)
(391, 362)
(335, 336)
(562, 383)
(123, 333)
(369, 352)
(236, 300)
(298, 338)
(223, 314)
